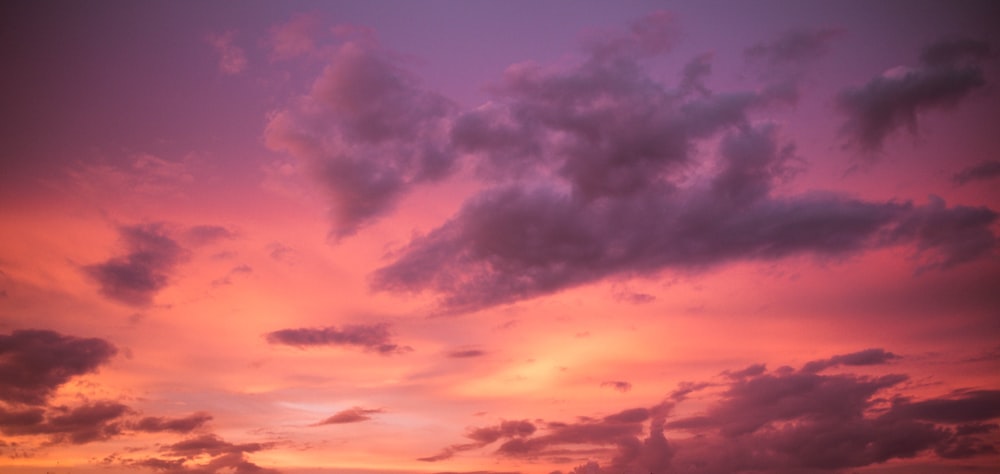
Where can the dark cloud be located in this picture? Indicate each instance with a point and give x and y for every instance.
(945, 237)
(34, 363)
(371, 337)
(781, 421)
(619, 385)
(216, 455)
(134, 278)
(180, 425)
(865, 357)
(368, 131)
(982, 171)
(465, 354)
(89, 422)
(887, 103)
(350, 415)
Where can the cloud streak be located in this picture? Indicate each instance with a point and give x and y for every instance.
(370, 337)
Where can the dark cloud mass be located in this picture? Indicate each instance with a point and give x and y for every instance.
(948, 74)
(781, 421)
(593, 165)
(34, 363)
(134, 278)
(214, 454)
(179, 425)
(370, 337)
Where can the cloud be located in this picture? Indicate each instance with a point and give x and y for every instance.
(232, 58)
(948, 74)
(779, 421)
(486, 435)
(155, 424)
(216, 455)
(83, 424)
(982, 171)
(350, 415)
(865, 357)
(466, 354)
(34, 363)
(134, 278)
(367, 130)
(618, 385)
(207, 234)
(295, 38)
(371, 337)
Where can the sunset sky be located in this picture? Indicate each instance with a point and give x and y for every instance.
(499, 237)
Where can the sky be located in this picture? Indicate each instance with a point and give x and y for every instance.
(475, 237)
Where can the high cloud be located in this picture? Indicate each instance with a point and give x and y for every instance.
(786, 420)
(34, 363)
(949, 72)
(145, 269)
(370, 337)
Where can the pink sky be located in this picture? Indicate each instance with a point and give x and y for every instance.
(499, 237)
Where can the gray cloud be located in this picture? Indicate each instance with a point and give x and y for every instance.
(185, 424)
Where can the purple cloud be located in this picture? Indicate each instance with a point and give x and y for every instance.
(83, 424)
(186, 424)
(134, 278)
(465, 354)
(949, 73)
(619, 385)
(370, 337)
(980, 172)
(368, 131)
(34, 363)
(222, 456)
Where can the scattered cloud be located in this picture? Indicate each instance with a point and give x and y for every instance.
(466, 353)
(794, 47)
(350, 415)
(986, 170)
(135, 278)
(370, 337)
(949, 72)
(215, 454)
(154, 424)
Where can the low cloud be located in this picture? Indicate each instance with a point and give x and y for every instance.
(786, 420)
(370, 337)
(618, 385)
(151, 256)
(204, 454)
(155, 424)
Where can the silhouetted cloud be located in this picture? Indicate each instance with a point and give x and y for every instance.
(781, 421)
(350, 415)
(514, 429)
(180, 425)
(982, 171)
(134, 278)
(948, 74)
(34, 363)
(371, 337)
(215, 454)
